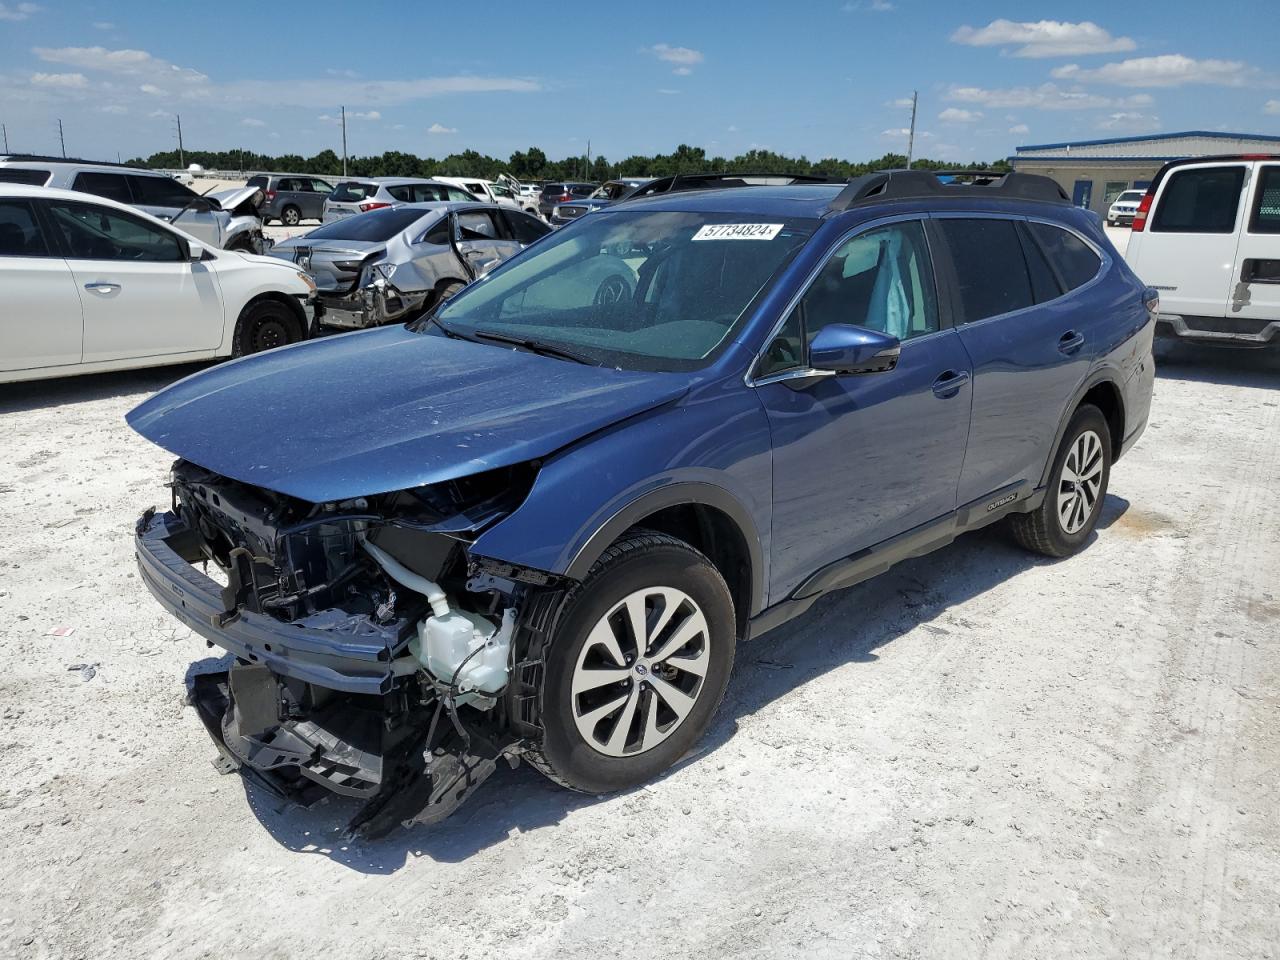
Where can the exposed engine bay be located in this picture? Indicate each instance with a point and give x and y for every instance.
(375, 658)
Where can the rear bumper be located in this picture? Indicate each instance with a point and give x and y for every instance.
(346, 654)
(1224, 331)
(369, 306)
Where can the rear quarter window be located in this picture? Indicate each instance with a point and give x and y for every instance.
(113, 186)
(1201, 200)
(34, 178)
(256, 182)
(160, 191)
(1266, 205)
(1074, 260)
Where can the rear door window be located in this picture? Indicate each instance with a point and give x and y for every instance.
(160, 192)
(460, 196)
(113, 186)
(478, 225)
(1074, 259)
(429, 193)
(34, 178)
(991, 273)
(1200, 200)
(20, 235)
(1266, 202)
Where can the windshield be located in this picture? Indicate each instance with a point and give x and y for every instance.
(1129, 196)
(351, 191)
(644, 291)
(376, 225)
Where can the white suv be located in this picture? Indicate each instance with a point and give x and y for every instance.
(1123, 208)
(1207, 236)
(227, 218)
(92, 285)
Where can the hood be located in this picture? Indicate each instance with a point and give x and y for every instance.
(239, 200)
(387, 409)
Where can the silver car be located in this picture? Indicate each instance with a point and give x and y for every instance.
(362, 194)
(393, 263)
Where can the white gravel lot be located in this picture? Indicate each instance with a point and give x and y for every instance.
(981, 753)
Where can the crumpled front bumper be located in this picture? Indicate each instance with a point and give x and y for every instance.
(347, 654)
(371, 305)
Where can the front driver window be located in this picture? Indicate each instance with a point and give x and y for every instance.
(100, 233)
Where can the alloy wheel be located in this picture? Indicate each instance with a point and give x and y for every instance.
(1080, 483)
(640, 671)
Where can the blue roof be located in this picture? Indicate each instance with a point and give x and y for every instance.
(1213, 134)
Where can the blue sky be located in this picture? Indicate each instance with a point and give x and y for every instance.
(816, 78)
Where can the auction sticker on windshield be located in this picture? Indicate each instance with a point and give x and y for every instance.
(738, 231)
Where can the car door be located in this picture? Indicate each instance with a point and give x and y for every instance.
(1189, 248)
(142, 296)
(1256, 294)
(1029, 346)
(862, 458)
(481, 237)
(314, 204)
(41, 320)
(176, 203)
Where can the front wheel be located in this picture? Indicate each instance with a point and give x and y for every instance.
(264, 325)
(1077, 485)
(637, 665)
(291, 216)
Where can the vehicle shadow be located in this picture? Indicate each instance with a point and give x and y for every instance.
(1225, 365)
(91, 387)
(846, 627)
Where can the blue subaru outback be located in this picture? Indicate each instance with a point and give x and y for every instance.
(535, 522)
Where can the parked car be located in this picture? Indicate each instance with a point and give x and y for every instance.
(536, 522)
(495, 191)
(604, 195)
(1207, 236)
(553, 193)
(228, 219)
(394, 262)
(92, 285)
(291, 197)
(1122, 209)
(350, 197)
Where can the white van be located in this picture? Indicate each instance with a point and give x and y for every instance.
(1207, 236)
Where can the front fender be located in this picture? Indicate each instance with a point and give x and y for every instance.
(711, 447)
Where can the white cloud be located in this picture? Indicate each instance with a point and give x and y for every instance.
(253, 122)
(902, 103)
(668, 91)
(902, 133)
(132, 63)
(957, 115)
(733, 127)
(440, 128)
(158, 113)
(1130, 122)
(63, 80)
(351, 115)
(153, 90)
(19, 11)
(684, 58)
(349, 74)
(1047, 96)
(115, 108)
(1169, 70)
(1044, 38)
(104, 25)
(1018, 128)
(1272, 107)
(868, 6)
(397, 126)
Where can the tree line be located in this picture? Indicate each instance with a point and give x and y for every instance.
(533, 164)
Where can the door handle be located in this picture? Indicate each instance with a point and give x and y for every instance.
(1070, 342)
(949, 383)
(102, 287)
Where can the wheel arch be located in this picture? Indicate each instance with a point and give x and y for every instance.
(1102, 390)
(705, 516)
(276, 296)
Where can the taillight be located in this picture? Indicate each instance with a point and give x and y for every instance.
(565, 198)
(372, 205)
(1144, 207)
(271, 195)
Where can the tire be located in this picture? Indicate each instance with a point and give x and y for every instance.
(290, 216)
(448, 291)
(263, 326)
(241, 244)
(1060, 526)
(650, 573)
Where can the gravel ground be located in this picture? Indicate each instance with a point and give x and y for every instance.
(981, 753)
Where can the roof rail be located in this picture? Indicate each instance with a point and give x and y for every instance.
(40, 158)
(716, 181)
(905, 184)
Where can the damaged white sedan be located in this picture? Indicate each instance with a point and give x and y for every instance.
(391, 264)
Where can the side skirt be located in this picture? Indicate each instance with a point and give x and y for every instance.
(873, 561)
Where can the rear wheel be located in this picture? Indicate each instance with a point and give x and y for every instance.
(637, 666)
(291, 216)
(1077, 486)
(263, 326)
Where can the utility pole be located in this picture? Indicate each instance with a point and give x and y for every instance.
(911, 137)
(182, 158)
(344, 140)
(6, 137)
(587, 175)
(61, 139)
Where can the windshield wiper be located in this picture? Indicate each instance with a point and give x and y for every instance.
(535, 346)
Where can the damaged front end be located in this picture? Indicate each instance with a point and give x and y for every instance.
(374, 656)
(384, 293)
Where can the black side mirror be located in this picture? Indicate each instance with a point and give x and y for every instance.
(842, 348)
